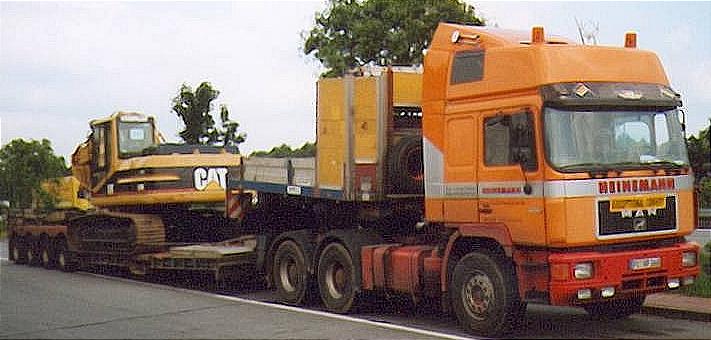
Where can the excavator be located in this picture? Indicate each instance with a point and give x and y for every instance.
(149, 195)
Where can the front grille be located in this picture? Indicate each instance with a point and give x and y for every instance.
(641, 221)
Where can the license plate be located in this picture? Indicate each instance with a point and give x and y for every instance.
(645, 263)
(638, 203)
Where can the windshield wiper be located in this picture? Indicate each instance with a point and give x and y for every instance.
(666, 165)
(593, 169)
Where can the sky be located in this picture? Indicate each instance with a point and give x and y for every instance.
(65, 63)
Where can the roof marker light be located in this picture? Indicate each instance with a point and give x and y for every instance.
(631, 40)
(537, 35)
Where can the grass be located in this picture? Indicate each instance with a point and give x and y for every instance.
(702, 286)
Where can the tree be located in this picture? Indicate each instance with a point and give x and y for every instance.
(194, 109)
(351, 33)
(701, 164)
(24, 165)
(699, 153)
(284, 150)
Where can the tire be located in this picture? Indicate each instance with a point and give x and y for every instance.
(615, 309)
(405, 166)
(290, 275)
(33, 251)
(45, 255)
(65, 262)
(12, 251)
(20, 251)
(336, 279)
(484, 296)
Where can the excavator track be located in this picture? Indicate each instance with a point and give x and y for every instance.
(116, 233)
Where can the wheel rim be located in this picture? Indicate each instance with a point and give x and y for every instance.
(478, 296)
(30, 255)
(336, 280)
(60, 259)
(289, 274)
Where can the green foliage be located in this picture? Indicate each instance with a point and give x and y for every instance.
(23, 167)
(699, 153)
(351, 33)
(282, 151)
(699, 158)
(194, 107)
(702, 285)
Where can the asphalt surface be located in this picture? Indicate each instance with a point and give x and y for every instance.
(38, 303)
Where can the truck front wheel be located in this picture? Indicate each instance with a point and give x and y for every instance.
(290, 274)
(615, 309)
(483, 295)
(336, 278)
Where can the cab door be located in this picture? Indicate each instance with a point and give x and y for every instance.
(510, 186)
(101, 152)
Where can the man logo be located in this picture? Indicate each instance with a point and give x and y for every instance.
(210, 177)
(639, 224)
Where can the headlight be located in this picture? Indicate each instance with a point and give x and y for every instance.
(584, 270)
(688, 259)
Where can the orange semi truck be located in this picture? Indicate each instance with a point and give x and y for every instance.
(537, 170)
(513, 168)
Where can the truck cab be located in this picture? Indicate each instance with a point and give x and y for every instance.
(573, 155)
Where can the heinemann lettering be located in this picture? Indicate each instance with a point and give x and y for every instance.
(636, 185)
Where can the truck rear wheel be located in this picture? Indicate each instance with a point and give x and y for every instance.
(483, 295)
(290, 274)
(336, 278)
(615, 309)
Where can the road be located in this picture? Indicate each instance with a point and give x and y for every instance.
(37, 303)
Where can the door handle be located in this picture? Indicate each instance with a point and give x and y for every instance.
(485, 210)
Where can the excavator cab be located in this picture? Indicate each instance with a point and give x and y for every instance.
(121, 136)
(124, 164)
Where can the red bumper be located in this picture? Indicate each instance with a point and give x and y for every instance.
(613, 269)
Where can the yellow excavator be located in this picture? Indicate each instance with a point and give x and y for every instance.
(148, 194)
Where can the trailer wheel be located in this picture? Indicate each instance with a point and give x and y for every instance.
(483, 295)
(45, 258)
(33, 251)
(15, 249)
(290, 275)
(336, 278)
(64, 262)
(615, 309)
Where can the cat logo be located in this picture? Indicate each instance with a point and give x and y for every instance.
(210, 178)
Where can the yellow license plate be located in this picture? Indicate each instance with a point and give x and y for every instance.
(638, 203)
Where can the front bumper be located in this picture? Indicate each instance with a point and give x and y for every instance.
(612, 269)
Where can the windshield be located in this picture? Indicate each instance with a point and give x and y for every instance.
(134, 137)
(577, 140)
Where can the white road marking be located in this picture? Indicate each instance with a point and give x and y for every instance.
(290, 308)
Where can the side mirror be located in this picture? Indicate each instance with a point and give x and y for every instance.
(682, 119)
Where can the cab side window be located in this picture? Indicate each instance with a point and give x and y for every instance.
(468, 66)
(509, 140)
